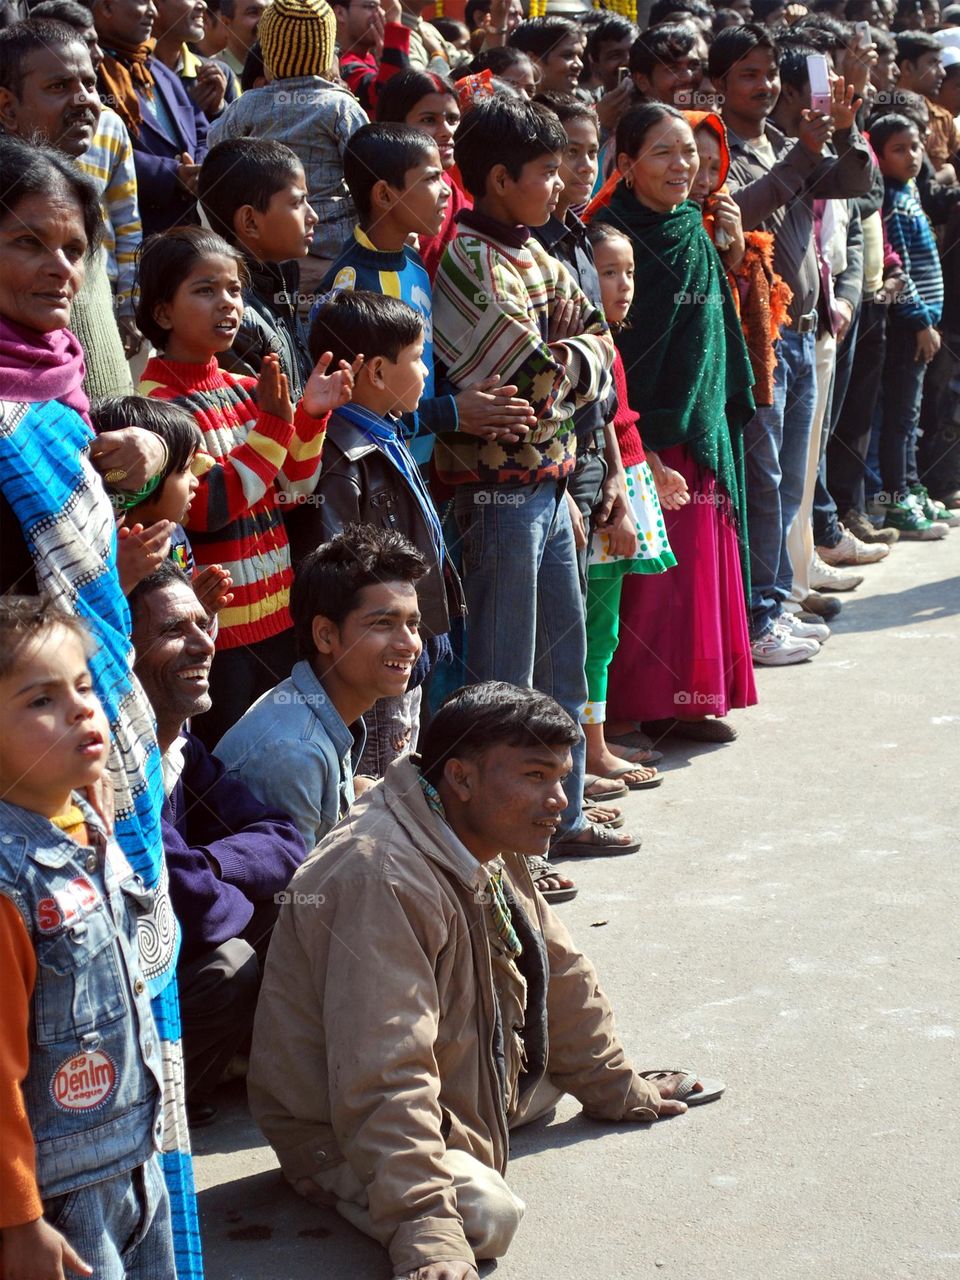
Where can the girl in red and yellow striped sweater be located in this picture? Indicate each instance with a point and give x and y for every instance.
(265, 455)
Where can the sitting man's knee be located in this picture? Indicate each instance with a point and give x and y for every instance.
(490, 1211)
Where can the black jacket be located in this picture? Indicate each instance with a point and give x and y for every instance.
(271, 324)
(360, 485)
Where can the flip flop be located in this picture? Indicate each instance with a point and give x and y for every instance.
(712, 729)
(615, 794)
(592, 814)
(540, 869)
(710, 1090)
(634, 738)
(603, 844)
(626, 769)
(637, 755)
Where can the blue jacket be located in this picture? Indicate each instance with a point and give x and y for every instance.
(920, 305)
(295, 754)
(93, 1087)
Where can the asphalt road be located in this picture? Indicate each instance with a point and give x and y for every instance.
(789, 925)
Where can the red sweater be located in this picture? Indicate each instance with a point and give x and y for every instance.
(432, 247)
(260, 463)
(625, 422)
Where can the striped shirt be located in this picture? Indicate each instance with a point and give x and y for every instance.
(920, 305)
(109, 162)
(261, 463)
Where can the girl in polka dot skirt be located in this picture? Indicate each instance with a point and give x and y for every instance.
(608, 564)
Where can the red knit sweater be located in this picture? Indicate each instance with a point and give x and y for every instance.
(625, 422)
(260, 463)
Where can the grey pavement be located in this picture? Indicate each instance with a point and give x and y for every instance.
(789, 925)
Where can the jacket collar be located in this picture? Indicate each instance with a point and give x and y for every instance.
(555, 231)
(39, 839)
(306, 683)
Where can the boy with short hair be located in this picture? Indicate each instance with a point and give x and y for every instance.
(920, 59)
(395, 177)
(254, 194)
(356, 620)
(501, 303)
(77, 1037)
(912, 336)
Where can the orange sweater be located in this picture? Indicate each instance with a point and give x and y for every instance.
(19, 1195)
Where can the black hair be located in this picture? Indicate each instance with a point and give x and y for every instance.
(18, 42)
(540, 36)
(253, 68)
(474, 9)
(450, 28)
(479, 717)
(883, 128)
(382, 153)
(609, 28)
(398, 97)
(793, 64)
(833, 34)
(829, 8)
(567, 106)
(360, 322)
(507, 131)
(243, 171)
(635, 124)
(665, 43)
(902, 102)
(227, 8)
(329, 580)
(912, 45)
(165, 575)
(724, 18)
(70, 12)
(29, 170)
(174, 425)
(164, 263)
(499, 59)
(884, 41)
(26, 618)
(661, 10)
(735, 43)
(762, 9)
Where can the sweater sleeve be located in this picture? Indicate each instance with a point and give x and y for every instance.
(910, 306)
(19, 1195)
(123, 209)
(759, 198)
(301, 471)
(364, 81)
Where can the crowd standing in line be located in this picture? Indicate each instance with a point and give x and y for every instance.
(408, 428)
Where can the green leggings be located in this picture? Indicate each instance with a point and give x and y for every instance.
(603, 633)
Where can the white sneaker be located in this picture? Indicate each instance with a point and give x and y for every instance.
(791, 625)
(778, 649)
(852, 550)
(824, 577)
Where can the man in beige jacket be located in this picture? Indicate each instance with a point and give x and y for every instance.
(420, 997)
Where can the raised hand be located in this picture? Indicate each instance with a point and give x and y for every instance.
(141, 551)
(212, 586)
(273, 391)
(324, 391)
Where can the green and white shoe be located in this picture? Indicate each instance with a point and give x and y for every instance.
(907, 517)
(933, 508)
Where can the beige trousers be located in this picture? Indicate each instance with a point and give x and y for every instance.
(800, 534)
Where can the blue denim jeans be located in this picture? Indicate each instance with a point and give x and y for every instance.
(826, 517)
(120, 1226)
(903, 377)
(525, 613)
(776, 442)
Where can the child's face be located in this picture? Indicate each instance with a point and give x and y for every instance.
(902, 155)
(614, 261)
(54, 736)
(402, 380)
(285, 230)
(420, 206)
(171, 501)
(708, 175)
(560, 68)
(534, 196)
(664, 169)
(204, 314)
(580, 163)
(524, 75)
(752, 86)
(438, 114)
(373, 651)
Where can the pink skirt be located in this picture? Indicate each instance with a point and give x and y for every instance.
(684, 646)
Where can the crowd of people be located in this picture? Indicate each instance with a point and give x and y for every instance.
(409, 429)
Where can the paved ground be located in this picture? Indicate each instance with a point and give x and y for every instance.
(790, 925)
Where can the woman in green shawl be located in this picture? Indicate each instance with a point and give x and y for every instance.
(684, 653)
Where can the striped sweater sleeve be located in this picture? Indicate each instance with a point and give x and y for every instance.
(123, 210)
(301, 471)
(367, 83)
(920, 303)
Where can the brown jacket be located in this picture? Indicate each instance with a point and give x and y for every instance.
(378, 1035)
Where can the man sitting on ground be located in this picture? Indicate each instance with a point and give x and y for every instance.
(413, 940)
(227, 854)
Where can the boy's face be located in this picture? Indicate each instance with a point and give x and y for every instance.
(533, 197)
(752, 86)
(902, 155)
(401, 381)
(285, 229)
(560, 68)
(578, 168)
(205, 312)
(708, 175)
(421, 204)
(373, 651)
(54, 736)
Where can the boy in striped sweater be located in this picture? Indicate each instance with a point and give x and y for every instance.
(503, 306)
(912, 336)
(264, 455)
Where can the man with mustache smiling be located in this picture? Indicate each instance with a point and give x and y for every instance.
(228, 855)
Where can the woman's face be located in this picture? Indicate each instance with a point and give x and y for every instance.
(662, 172)
(42, 244)
(438, 114)
(708, 175)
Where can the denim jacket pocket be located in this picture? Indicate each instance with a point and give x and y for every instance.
(81, 987)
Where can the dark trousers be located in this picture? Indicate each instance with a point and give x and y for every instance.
(585, 486)
(826, 519)
(237, 679)
(903, 377)
(850, 440)
(218, 998)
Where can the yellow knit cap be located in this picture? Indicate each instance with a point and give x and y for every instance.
(298, 38)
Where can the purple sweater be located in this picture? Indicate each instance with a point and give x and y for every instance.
(225, 851)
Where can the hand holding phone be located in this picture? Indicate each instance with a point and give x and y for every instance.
(821, 99)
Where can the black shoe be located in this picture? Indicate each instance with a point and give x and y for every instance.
(201, 1112)
(825, 607)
